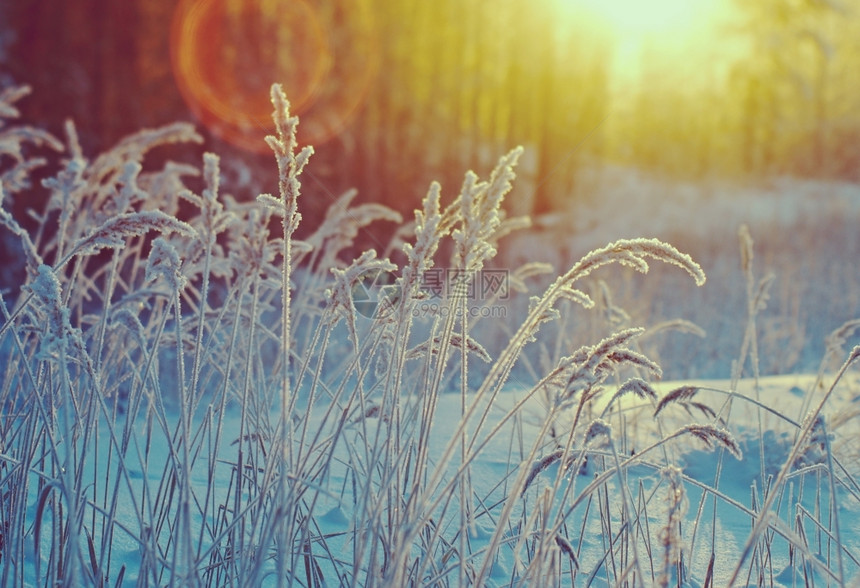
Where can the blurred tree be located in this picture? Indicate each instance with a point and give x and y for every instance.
(99, 62)
(787, 84)
(452, 85)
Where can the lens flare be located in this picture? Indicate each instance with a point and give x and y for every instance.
(226, 54)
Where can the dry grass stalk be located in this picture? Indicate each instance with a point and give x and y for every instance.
(337, 413)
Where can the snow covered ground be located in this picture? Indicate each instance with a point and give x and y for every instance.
(805, 499)
(804, 233)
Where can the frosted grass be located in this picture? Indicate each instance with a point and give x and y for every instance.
(200, 402)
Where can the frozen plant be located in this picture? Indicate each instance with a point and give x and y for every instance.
(197, 401)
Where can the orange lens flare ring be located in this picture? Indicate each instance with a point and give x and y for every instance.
(225, 55)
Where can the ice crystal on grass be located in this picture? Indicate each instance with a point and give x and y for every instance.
(679, 325)
(590, 366)
(480, 213)
(46, 289)
(638, 387)
(542, 464)
(114, 232)
(598, 428)
(135, 146)
(129, 192)
(8, 98)
(567, 548)
(14, 138)
(714, 436)
(545, 314)
(65, 193)
(670, 534)
(633, 253)
(517, 278)
(456, 341)
(251, 252)
(837, 339)
(58, 335)
(126, 318)
(273, 204)
(164, 261)
(577, 296)
(816, 444)
(428, 232)
(164, 184)
(205, 255)
(340, 296)
(681, 395)
(630, 358)
(290, 164)
(62, 187)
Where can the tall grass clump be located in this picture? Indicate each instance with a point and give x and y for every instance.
(198, 401)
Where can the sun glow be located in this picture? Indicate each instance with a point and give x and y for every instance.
(644, 18)
(670, 30)
(226, 53)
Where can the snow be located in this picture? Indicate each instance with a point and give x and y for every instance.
(728, 530)
(804, 231)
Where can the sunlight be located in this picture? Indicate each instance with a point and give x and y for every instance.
(225, 53)
(638, 18)
(674, 30)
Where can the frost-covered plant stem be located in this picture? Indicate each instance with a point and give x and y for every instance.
(184, 567)
(70, 488)
(626, 252)
(57, 337)
(467, 524)
(210, 196)
(764, 514)
(290, 165)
